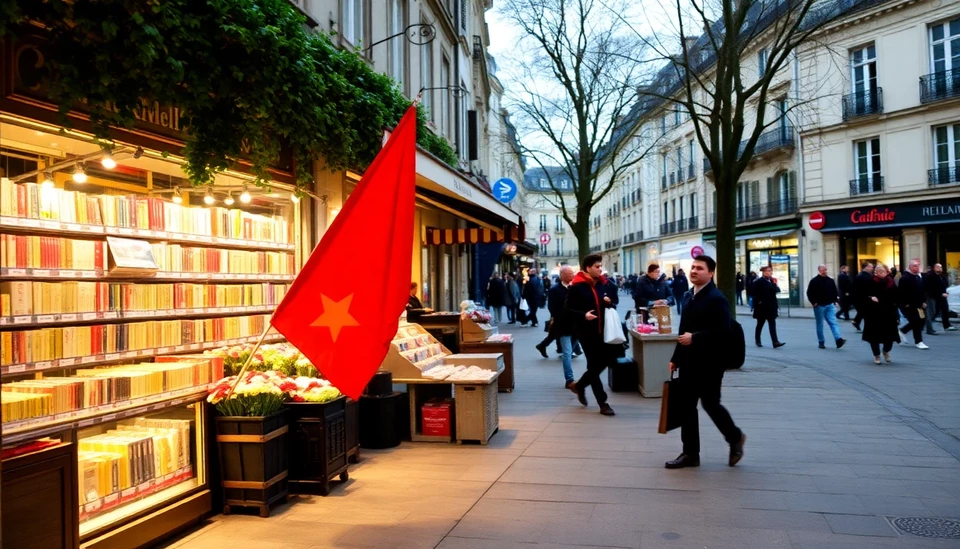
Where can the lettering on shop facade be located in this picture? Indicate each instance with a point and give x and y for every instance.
(463, 189)
(893, 215)
(874, 215)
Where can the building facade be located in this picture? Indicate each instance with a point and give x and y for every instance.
(555, 243)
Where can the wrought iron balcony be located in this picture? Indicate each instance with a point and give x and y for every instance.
(770, 209)
(866, 185)
(863, 103)
(778, 138)
(940, 85)
(668, 228)
(594, 249)
(693, 223)
(944, 176)
(639, 236)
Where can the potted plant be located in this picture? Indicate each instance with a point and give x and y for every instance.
(252, 433)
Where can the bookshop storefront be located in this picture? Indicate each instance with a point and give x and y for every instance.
(109, 257)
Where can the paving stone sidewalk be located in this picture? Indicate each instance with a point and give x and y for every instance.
(838, 449)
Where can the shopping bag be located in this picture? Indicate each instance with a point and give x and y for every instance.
(671, 405)
(612, 328)
(523, 305)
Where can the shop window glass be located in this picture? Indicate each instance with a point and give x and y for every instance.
(879, 249)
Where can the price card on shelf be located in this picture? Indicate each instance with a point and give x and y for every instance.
(88, 316)
(46, 319)
(163, 350)
(88, 274)
(88, 359)
(45, 365)
(179, 348)
(127, 231)
(68, 274)
(111, 230)
(33, 223)
(73, 227)
(70, 317)
(16, 272)
(130, 354)
(41, 273)
(108, 418)
(112, 356)
(16, 368)
(161, 234)
(193, 346)
(22, 319)
(107, 314)
(66, 362)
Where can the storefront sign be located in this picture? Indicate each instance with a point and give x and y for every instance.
(462, 188)
(892, 215)
(817, 220)
(762, 244)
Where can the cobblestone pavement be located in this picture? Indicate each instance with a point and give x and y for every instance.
(839, 449)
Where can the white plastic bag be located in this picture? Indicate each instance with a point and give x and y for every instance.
(612, 329)
(523, 305)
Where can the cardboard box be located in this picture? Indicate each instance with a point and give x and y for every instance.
(664, 318)
(471, 332)
(488, 361)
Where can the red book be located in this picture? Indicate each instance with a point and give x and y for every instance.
(21, 201)
(98, 252)
(344, 325)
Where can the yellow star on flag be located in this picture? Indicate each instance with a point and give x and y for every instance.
(336, 315)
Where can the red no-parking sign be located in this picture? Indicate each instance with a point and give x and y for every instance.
(817, 221)
(544, 238)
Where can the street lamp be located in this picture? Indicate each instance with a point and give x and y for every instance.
(418, 34)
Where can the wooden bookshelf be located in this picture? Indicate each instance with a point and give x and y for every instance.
(98, 360)
(36, 321)
(7, 273)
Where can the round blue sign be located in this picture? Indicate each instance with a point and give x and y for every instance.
(504, 190)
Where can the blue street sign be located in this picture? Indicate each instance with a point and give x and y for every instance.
(505, 190)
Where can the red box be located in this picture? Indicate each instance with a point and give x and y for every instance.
(437, 418)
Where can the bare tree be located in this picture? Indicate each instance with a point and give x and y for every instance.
(574, 79)
(721, 59)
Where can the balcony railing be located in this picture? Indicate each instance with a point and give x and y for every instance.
(769, 209)
(668, 228)
(594, 249)
(693, 223)
(940, 85)
(560, 230)
(947, 175)
(779, 138)
(863, 103)
(691, 171)
(639, 236)
(866, 185)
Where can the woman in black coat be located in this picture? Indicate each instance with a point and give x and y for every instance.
(881, 318)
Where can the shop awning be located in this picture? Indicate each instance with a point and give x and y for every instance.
(760, 231)
(437, 237)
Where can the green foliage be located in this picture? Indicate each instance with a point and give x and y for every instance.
(246, 75)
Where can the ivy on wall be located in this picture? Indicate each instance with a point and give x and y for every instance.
(246, 75)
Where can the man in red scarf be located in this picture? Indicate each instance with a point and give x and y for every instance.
(586, 302)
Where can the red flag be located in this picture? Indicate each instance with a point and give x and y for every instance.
(343, 308)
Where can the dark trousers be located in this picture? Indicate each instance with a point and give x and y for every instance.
(845, 308)
(704, 388)
(944, 310)
(511, 313)
(914, 322)
(551, 337)
(598, 357)
(532, 314)
(859, 318)
(739, 297)
(773, 329)
(875, 347)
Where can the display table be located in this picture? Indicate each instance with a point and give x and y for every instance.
(505, 383)
(652, 353)
(477, 414)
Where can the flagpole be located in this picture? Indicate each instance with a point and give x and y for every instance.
(246, 363)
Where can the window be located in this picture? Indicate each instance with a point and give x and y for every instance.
(866, 169)
(945, 46)
(445, 117)
(663, 124)
(680, 164)
(398, 48)
(560, 246)
(783, 124)
(666, 218)
(351, 21)
(691, 152)
(946, 154)
(663, 177)
(673, 209)
(748, 199)
(543, 250)
(464, 19)
(863, 67)
(677, 116)
(462, 138)
(681, 216)
(426, 77)
(558, 222)
(543, 223)
(762, 62)
(693, 205)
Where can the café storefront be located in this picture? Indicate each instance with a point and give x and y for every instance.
(893, 234)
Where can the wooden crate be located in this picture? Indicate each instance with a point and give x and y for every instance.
(478, 413)
(471, 332)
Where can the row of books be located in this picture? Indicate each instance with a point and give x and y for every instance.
(94, 387)
(132, 454)
(18, 298)
(46, 344)
(33, 201)
(50, 252)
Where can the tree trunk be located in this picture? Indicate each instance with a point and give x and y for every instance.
(726, 275)
(581, 230)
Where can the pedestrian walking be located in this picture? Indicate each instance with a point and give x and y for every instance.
(913, 303)
(495, 297)
(741, 281)
(705, 330)
(861, 283)
(561, 326)
(533, 293)
(765, 306)
(651, 290)
(880, 315)
(845, 286)
(748, 286)
(935, 286)
(823, 295)
(680, 287)
(511, 297)
(586, 301)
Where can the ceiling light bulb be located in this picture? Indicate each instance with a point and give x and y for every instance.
(294, 198)
(47, 180)
(228, 200)
(79, 176)
(177, 199)
(245, 196)
(108, 162)
(208, 198)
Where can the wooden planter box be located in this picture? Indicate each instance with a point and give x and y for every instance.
(352, 410)
(253, 460)
(318, 445)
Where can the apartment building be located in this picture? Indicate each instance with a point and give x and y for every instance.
(555, 243)
(881, 150)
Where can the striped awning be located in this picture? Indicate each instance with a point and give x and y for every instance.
(449, 237)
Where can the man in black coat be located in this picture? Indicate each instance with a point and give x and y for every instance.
(496, 297)
(765, 306)
(822, 294)
(586, 301)
(913, 300)
(704, 334)
(651, 289)
(935, 285)
(845, 286)
(680, 287)
(741, 284)
(859, 290)
(748, 287)
(534, 294)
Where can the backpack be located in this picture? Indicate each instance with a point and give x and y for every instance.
(738, 346)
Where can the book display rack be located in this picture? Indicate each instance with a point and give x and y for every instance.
(108, 296)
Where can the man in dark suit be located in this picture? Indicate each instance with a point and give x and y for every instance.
(845, 285)
(741, 284)
(705, 330)
(561, 327)
(586, 301)
(533, 293)
(765, 306)
(859, 290)
(913, 300)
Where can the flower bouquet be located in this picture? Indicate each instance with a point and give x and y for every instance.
(313, 390)
(257, 394)
(469, 309)
(235, 356)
